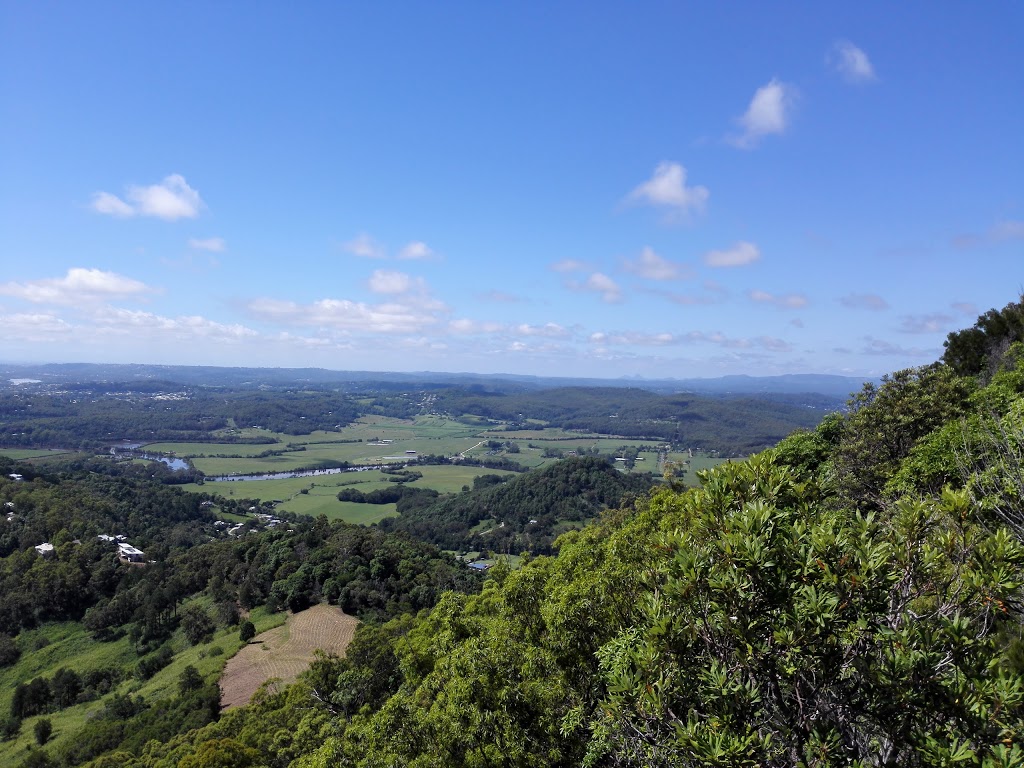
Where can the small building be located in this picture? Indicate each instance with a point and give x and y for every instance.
(45, 549)
(126, 553)
(480, 566)
(16, 477)
(107, 538)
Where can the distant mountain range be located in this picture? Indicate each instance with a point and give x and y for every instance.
(27, 374)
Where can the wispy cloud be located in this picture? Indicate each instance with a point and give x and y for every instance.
(388, 281)
(873, 346)
(769, 114)
(416, 250)
(213, 244)
(569, 265)
(633, 339)
(667, 189)
(170, 200)
(600, 283)
(851, 62)
(867, 301)
(364, 246)
(345, 315)
(935, 322)
(78, 286)
(965, 308)
(741, 254)
(548, 330)
(367, 247)
(466, 326)
(1000, 232)
(688, 299)
(785, 301)
(650, 266)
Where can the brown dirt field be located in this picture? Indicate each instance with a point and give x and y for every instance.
(285, 651)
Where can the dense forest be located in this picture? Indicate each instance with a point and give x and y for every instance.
(852, 596)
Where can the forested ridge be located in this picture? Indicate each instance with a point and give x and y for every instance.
(852, 596)
(524, 512)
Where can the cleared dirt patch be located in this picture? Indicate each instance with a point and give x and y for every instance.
(285, 651)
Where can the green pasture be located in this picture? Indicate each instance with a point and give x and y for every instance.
(19, 454)
(321, 491)
(192, 450)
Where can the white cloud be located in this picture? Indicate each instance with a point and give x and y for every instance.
(77, 286)
(787, 301)
(864, 301)
(768, 113)
(388, 281)
(548, 330)
(965, 308)
(633, 339)
(170, 200)
(465, 326)
(416, 250)
(851, 62)
(128, 321)
(651, 266)
(112, 205)
(667, 189)
(213, 244)
(599, 282)
(342, 314)
(741, 254)
(365, 246)
(35, 327)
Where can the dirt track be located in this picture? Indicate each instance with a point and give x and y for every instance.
(284, 652)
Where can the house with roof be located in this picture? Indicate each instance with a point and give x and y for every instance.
(126, 553)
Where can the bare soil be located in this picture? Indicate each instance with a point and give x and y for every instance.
(285, 651)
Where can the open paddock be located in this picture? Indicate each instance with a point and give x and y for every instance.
(321, 491)
(21, 454)
(285, 652)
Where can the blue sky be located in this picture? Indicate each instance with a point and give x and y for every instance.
(579, 189)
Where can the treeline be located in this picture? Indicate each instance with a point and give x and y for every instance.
(852, 597)
(734, 426)
(86, 418)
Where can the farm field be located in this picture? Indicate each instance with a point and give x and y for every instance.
(284, 652)
(316, 495)
(321, 493)
(19, 454)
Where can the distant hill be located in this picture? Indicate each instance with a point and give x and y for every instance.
(525, 513)
(65, 373)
